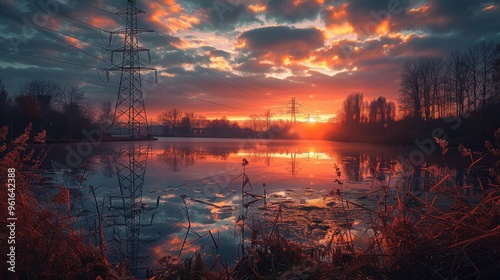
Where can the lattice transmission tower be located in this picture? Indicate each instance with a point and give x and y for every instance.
(293, 109)
(130, 112)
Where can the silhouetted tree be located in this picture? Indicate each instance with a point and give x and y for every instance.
(487, 55)
(379, 110)
(420, 86)
(5, 106)
(353, 109)
(27, 108)
(171, 119)
(186, 125)
(256, 122)
(456, 81)
(410, 98)
(105, 118)
(472, 64)
(433, 88)
(496, 75)
(42, 89)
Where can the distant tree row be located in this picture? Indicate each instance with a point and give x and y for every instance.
(178, 123)
(259, 122)
(63, 110)
(356, 111)
(442, 86)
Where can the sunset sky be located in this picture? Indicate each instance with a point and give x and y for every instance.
(235, 58)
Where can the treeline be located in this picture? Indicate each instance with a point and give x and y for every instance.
(434, 87)
(175, 122)
(62, 110)
(457, 95)
(355, 110)
(363, 121)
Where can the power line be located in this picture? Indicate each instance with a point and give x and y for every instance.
(43, 30)
(17, 18)
(97, 8)
(47, 58)
(215, 74)
(208, 90)
(205, 89)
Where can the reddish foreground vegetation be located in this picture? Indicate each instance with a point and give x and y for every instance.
(415, 238)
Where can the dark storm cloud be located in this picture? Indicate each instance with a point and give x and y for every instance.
(366, 15)
(462, 17)
(283, 39)
(213, 52)
(430, 45)
(253, 66)
(219, 16)
(56, 42)
(286, 11)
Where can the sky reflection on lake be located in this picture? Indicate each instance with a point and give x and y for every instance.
(209, 173)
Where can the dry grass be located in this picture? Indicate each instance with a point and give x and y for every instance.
(47, 246)
(447, 235)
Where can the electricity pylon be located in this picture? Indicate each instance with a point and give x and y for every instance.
(293, 109)
(130, 112)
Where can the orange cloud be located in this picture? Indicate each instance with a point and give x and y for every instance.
(172, 6)
(297, 3)
(52, 23)
(220, 63)
(422, 9)
(257, 8)
(336, 21)
(339, 29)
(181, 44)
(336, 13)
(171, 16)
(100, 21)
(240, 43)
(75, 42)
(383, 28)
(490, 7)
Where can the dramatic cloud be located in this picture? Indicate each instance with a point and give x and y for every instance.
(284, 11)
(219, 16)
(281, 39)
(234, 58)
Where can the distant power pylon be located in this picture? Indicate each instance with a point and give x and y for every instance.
(130, 112)
(293, 109)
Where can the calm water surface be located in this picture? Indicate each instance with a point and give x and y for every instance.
(130, 178)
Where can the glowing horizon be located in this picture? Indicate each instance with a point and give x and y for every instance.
(236, 59)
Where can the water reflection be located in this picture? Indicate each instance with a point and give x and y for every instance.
(144, 214)
(176, 159)
(179, 155)
(126, 209)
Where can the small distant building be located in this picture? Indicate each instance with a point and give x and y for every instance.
(44, 100)
(157, 130)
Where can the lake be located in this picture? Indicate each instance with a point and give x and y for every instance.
(143, 190)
